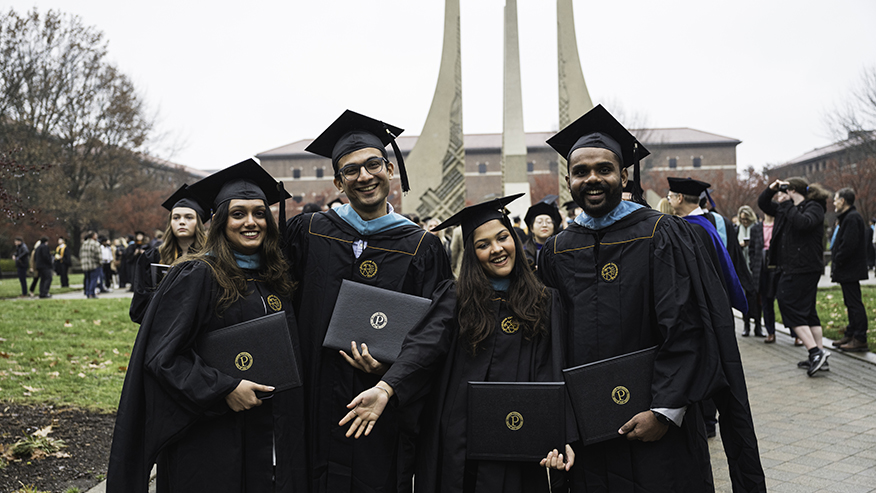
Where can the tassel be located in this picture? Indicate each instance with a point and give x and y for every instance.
(403, 173)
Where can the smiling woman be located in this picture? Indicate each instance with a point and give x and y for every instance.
(208, 430)
(246, 225)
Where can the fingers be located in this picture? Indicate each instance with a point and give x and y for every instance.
(570, 454)
(351, 361)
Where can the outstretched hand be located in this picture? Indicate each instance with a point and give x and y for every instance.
(366, 408)
(243, 396)
(363, 361)
(554, 459)
(644, 427)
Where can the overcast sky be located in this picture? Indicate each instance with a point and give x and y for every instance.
(229, 80)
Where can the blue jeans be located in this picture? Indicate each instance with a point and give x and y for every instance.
(91, 277)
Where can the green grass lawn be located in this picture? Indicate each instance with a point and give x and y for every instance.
(11, 288)
(72, 352)
(834, 317)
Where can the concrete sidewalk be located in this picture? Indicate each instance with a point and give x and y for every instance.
(815, 434)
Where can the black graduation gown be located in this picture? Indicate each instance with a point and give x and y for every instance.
(405, 259)
(434, 349)
(142, 284)
(173, 411)
(640, 282)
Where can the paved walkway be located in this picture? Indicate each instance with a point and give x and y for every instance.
(815, 434)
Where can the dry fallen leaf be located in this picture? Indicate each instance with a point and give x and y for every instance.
(97, 322)
(31, 389)
(43, 432)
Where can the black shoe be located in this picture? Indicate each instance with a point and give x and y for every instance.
(816, 361)
(758, 332)
(844, 340)
(804, 365)
(746, 331)
(46, 296)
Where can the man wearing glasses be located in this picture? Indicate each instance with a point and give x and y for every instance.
(367, 242)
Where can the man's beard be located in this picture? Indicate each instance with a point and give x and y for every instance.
(612, 198)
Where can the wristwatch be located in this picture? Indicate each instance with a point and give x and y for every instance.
(662, 419)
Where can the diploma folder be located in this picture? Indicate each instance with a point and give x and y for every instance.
(515, 421)
(379, 317)
(258, 350)
(606, 394)
(158, 271)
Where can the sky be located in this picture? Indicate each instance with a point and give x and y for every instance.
(227, 81)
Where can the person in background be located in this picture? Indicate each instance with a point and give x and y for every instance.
(665, 207)
(89, 258)
(62, 261)
(797, 248)
(765, 275)
(521, 233)
(33, 271)
(442, 234)
(747, 218)
(185, 234)
(543, 221)
(848, 254)
(106, 263)
(43, 262)
(22, 260)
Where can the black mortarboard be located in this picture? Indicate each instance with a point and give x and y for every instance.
(570, 206)
(245, 180)
(353, 131)
(687, 186)
(546, 206)
(474, 215)
(184, 198)
(597, 128)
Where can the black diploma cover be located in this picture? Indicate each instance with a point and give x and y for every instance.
(606, 394)
(515, 421)
(379, 317)
(158, 272)
(258, 350)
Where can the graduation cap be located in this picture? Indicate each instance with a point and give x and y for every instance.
(546, 206)
(570, 205)
(474, 215)
(352, 132)
(245, 180)
(597, 128)
(184, 198)
(687, 186)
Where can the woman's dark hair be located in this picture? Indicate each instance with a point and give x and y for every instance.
(170, 251)
(527, 296)
(218, 254)
(812, 191)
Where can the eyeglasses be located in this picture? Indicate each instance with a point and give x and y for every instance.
(373, 166)
(670, 195)
(543, 222)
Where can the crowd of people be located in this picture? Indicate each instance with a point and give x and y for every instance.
(603, 277)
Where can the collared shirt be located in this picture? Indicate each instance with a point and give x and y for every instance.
(622, 210)
(365, 228)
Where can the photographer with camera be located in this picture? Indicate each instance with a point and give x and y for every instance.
(798, 237)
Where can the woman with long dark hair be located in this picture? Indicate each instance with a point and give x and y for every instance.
(184, 235)
(206, 430)
(797, 249)
(496, 323)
